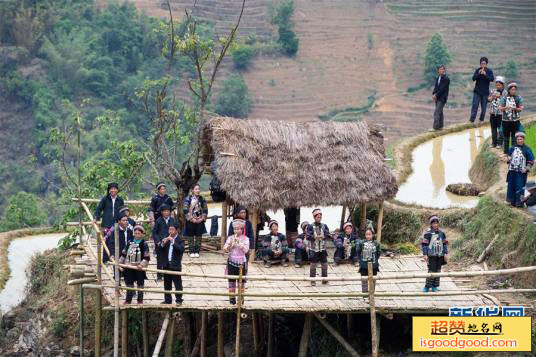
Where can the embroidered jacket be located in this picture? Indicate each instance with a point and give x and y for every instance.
(521, 158)
(316, 234)
(434, 243)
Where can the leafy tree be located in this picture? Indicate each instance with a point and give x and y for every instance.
(282, 17)
(242, 55)
(234, 99)
(282, 13)
(510, 70)
(436, 54)
(288, 40)
(23, 211)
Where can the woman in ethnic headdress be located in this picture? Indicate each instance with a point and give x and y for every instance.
(196, 210)
(237, 246)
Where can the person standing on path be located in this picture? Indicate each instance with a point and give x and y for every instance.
(435, 248)
(482, 78)
(510, 105)
(440, 96)
(108, 207)
(495, 116)
(520, 161)
(158, 200)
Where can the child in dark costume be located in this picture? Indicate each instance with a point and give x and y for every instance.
(275, 246)
(368, 250)
(345, 245)
(435, 249)
(136, 254)
(300, 247)
(317, 233)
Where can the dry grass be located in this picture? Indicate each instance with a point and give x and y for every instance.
(285, 164)
(5, 239)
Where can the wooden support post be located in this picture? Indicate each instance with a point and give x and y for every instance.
(239, 306)
(81, 320)
(255, 334)
(116, 307)
(187, 347)
(306, 334)
(161, 336)
(343, 216)
(169, 338)
(145, 336)
(204, 334)
(98, 302)
(124, 333)
(337, 336)
(380, 223)
(371, 287)
(254, 223)
(349, 325)
(363, 221)
(223, 223)
(221, 321)
(270, 341)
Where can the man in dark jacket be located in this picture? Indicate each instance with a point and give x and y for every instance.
(482, 78)
(158, 200)
(173, 249)
(161, 231)
(125, 236)
(440, 96)
(108, 207)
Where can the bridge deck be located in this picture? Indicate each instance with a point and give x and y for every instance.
(213, 263)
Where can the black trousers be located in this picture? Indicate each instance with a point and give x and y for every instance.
(495, 121)
(176, 280)
(161, 258)
(364, 283)
(509, 132)
(434, 266)
(131, 276)
(439, 118)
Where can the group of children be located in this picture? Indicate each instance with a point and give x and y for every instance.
(169, 246)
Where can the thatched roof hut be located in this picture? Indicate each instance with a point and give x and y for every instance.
(273, 165)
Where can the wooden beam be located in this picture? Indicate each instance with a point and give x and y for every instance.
(306, 335)
(161, 336)
(380, 223)
(255, 328)
(187, 346)
(168, 352)
(221, 321)
(486, 251)
(254, 223)
(98, 322)
(223, 223)
(124, 333)
(349, 325)
(343, 216)
(145, 336)
(270, 341)
(374, 337)
(239, 306)
(204, 334)
(117, 292)
(337, 336)
(363, 220)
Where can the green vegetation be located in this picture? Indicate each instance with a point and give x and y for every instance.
(282, 18)
(234, 98)
(436, 54)
(23, 211)
(351, 113)
(510, 69)
(417, 87)
(242, 55)
(530, 140)
(370, 41)
(485, 169)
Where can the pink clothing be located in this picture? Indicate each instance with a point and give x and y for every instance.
(237, 249)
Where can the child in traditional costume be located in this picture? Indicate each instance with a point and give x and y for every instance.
(317, 233)
(435, 248)
(237, 246)
(135, 254)
(345, 245)
(368, 251)
(196, 210)
(510, 105)
(495, 116)
(300, 247)
(274, 246)
(520, 161)
(125, 236)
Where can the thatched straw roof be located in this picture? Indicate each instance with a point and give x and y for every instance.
(273, 165)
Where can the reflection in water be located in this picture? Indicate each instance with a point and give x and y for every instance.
(449, 159)
(20, 253)
(437, 168)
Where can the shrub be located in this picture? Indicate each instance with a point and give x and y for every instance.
(234, 98)
(242, 55)
(23, 210)
(436, 54)
(282, 17)
(510, 69)
(288, 40)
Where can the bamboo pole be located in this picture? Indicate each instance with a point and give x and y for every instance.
(124, 333)
(337, 336)
(144, 333)
(363, 221)
(81, 281)
(239, 306)
(116, 314)
(306, 334)
(168, 352)
(343, 216)
(98, 322)
(270, 342)
(161, 336)
(380, 223)
(255, 334)
(220, 334)
(371, 287)
(223, 223)
(486, 251)
(349, 325)
(187, 346)
(203, 334)
(81, 321)
(352, 278)
(319, 295)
